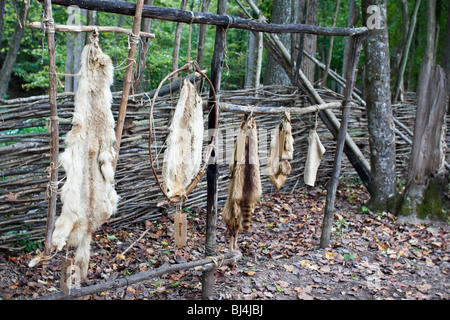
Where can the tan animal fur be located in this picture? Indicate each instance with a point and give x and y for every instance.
(245, 183)
(183, 156)
(278, 166)
(88, 195)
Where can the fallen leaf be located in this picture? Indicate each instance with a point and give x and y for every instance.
(289, 268)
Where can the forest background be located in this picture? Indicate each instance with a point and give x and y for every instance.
(29, 74)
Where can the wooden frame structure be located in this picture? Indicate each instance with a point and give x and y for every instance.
(222, 23)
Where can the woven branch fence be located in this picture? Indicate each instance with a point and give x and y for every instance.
(25, 154)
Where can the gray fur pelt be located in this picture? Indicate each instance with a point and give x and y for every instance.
(88, 195)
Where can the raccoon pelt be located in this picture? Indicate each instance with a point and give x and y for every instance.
(281, 151)
(88, 195)
(245, 183)
(183, 156)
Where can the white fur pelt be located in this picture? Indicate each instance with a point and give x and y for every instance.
(88, 195)
(278, 166)
(183, 156)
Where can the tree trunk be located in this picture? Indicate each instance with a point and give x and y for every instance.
(274, 73)
(412, 26)
(176, 44)
(379, 110)
(2, 8)
(146, 26)
(446, 55)
(11, 56)
(202, 36)
(310, 40)
(330, 47)
(249, 78)
(430, 47)
(427, 185)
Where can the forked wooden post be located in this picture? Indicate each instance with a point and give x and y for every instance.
(212, 173)
(350, 75)
(127, 78)
(54, 128)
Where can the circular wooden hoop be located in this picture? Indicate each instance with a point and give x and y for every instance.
(189, 66)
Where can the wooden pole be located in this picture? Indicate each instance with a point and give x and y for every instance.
(54, 127)
(278, 110)
(208, 263)
(71, 28)
(350, 75)
(177, 15)
(127, 78)
(212, 173)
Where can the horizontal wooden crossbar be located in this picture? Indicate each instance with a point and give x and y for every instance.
(73, 28)
(205, 264)
(177, 15)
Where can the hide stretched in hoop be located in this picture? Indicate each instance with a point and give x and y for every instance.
(183, 156)
(88, 195)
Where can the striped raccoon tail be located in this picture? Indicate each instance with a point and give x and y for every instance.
(246, 217)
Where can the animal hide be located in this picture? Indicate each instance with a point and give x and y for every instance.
(281, 151)
(313, 159)
(88, 195)
(245, 183)
(183, 156)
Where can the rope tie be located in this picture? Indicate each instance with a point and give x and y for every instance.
(215, 260)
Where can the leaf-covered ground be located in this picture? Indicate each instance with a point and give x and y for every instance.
(372, 256)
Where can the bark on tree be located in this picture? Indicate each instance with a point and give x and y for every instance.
(427, 189)
(11, 56)
(379, 110)
(249, 78)
(274, 73)
(310, 40)
(430, 47)
(446, 54)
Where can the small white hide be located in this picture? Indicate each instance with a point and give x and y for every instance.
(88, 195)
(183, 156)
(315, 152)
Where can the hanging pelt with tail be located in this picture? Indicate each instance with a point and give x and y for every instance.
(281, 151)
(183, 156)
(88, 195)
(245, 183)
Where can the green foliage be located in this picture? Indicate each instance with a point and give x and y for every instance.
(31, 68)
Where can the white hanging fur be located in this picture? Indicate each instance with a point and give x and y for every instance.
(183, 156)
(278, 166)
(88, 195)
(245, 183)
(315, 153)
